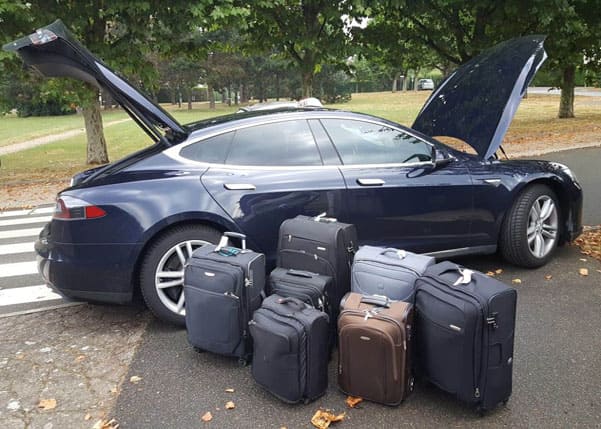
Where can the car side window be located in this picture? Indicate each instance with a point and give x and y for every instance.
(212, 150)
(360, 142)
(287, 143)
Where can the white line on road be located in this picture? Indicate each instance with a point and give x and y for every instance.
(43, 210)
(23, 295)
(15, 213)
(15, 233)
(11, 249)
(18, 269)
(22, 221)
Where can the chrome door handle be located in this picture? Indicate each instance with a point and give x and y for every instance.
(239, 186)
(370, 182)
(493, 182)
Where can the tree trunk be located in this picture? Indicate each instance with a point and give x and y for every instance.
(96, 147)
(394, 85)
(415, 79)
(189, 95)
(173, 96)
(277, 87)
(566, 103)
(211, 97)
(307, 84)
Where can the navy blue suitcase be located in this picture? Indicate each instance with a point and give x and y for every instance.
(464, 330)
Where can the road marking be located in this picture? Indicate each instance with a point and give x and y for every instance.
(45, 308)
(15, 213)
(23, 295)
(15, 233)
(11, 222)
(18, 269)
(43, 210)
(11, 249)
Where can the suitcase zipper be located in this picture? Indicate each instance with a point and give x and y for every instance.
(378, 264)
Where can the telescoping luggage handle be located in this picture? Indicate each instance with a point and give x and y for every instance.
(225, 240)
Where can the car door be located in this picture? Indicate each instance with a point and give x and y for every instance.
(272, 172)
(395, 196)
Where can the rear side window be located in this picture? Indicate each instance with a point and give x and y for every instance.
(212, 150)
(286, 143)
(360, 142)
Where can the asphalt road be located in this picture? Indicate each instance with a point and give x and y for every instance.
(585, 163)
(556, 371)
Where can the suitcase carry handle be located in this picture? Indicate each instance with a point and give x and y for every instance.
(301, 273)
(465, 275)
(323, 218)
(293, 302)
(379, 300)
(400, 254)
(225, 240)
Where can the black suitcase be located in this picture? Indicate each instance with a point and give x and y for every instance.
(290, 341)
(320, 245)
(223, 287)
(307, 286)
(464, 333)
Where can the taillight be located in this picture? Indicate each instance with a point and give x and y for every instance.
(69, 208)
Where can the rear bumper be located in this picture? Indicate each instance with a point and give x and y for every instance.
(90, 272)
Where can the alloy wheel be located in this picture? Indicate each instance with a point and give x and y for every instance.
(169, 275)
(543, 221)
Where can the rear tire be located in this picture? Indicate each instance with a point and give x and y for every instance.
(531, 228)
(161, 271)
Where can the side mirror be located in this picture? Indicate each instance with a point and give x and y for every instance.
(440, 159)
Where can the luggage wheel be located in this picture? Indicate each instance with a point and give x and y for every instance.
(198, 349)
(481, 411)
(242, 362)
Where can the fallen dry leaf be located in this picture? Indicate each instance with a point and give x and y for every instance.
(516, 281)
(114, 390)
(230, 405)
(583, 271)
(498, 271)
(490, 273)
(87, 417)
(229, 390)
(135, 379)
(583, 259)
(80, 358)
(47, 404)
(353, 401)
(323, 418)
(207, 417)
(549, 277)
(599, 271)
(106, 424)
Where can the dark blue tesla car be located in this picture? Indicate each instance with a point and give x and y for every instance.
(132, 224)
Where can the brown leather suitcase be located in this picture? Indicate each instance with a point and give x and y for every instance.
(374, 337)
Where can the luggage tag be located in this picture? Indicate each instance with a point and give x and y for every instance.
(229, 251)
(466, 277)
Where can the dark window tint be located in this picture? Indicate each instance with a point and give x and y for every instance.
(213, 149)
(280, 143)
(361, 142)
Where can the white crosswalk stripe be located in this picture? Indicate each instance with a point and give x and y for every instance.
(21, 288)
(16, 233)
(35, 219)
(14, 249)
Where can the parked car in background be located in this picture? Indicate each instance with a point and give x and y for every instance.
(131, 225)
(274, 105)
(424, 84)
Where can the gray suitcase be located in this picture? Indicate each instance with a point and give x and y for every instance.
(388, 272)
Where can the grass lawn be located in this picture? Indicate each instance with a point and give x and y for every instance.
(535, 125)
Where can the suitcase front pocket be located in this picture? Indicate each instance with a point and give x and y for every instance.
(213, 320)
(379, 279)
(276, 363)
(441, 353)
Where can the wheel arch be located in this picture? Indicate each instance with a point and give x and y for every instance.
(164, 226)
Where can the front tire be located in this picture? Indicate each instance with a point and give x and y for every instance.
(162, 269)
(530, 231)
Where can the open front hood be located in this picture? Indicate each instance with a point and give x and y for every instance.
(477, 102)
(54, 52)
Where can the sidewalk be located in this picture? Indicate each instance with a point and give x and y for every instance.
(64, 368)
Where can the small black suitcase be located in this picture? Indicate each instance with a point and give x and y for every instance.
(290, 341)
(307, 286)
(320, 245)
(222, 287)
(465, 324)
